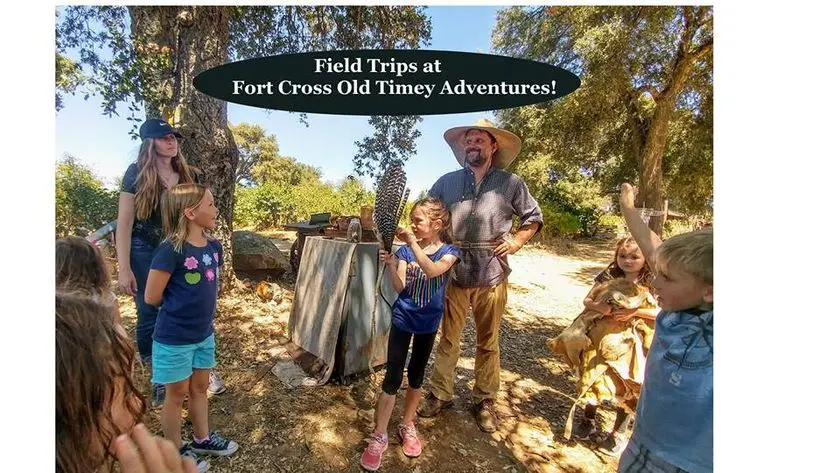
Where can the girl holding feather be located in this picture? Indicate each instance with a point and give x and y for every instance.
(419, 273)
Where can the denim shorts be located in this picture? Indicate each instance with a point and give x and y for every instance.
(174, 363)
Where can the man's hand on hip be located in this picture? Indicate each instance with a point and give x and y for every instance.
(507, 247)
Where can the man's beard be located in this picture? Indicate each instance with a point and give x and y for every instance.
(475, 158)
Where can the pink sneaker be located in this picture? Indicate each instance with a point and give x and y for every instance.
(410, 441)
(372, 456)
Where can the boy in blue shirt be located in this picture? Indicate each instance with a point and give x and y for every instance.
(673, 430)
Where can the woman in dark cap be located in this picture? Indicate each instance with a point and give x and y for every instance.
(160, 165)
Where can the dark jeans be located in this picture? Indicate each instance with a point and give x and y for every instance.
(141, 260)
(398, 342)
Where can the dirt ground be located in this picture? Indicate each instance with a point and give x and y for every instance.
(322, 429)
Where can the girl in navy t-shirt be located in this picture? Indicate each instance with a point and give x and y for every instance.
(183, 281)
(419, 272)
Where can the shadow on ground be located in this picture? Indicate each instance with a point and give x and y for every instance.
(322, 429)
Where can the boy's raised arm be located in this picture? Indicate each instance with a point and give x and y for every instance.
(647, 240)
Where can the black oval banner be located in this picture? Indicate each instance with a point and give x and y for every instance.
(386, 82)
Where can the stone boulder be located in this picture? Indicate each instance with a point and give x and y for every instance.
(252, 251)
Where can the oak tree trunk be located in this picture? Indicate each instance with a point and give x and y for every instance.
(190, 40)
(653, 150)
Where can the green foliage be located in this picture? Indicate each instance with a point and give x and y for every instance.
(260, 161)
(557, 223)
(314, 198)
(687, 165)
(569, 192)
(257, 31)
(282, 190)
(351, 194)
(393, 140)
(626, 57)
(82, 203)
(68, 76)
(271, 205)
(261, 164)
(614, 221)
(130, 54)
(91, 30)
(675, 227)
(285, 172)
(580, 198)
(261, 207)
(255, 147)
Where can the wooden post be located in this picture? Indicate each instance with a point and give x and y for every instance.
(664, 211)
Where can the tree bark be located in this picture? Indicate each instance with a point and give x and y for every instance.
(650, 185)
(191, 40)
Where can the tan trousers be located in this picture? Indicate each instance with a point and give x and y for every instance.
(488, 306)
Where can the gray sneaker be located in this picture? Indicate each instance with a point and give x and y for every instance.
(202, 464)
(217, 386)
(215, 445)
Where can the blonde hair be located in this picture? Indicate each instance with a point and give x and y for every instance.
(435, 209)
(149, 187)
(173, 204)
(690, 252)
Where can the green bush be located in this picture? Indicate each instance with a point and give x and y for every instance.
(82, 203)
(557, 223)
(580, 198)
(262, 207)
(612, 220)
(316, 198)
(351, 195)
(272, 205)
(675, 227)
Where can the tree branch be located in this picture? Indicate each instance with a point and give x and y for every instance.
(685, 56)
(701, 50)
(687, 33)
(636, 123)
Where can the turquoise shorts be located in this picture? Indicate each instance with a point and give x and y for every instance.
(173, 363)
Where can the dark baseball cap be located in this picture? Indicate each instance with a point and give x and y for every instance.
(156, 128)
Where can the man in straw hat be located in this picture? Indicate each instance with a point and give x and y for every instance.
(483, 198)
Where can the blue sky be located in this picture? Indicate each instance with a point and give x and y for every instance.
(103, 143)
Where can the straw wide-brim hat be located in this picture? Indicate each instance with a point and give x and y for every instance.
(509, 144)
